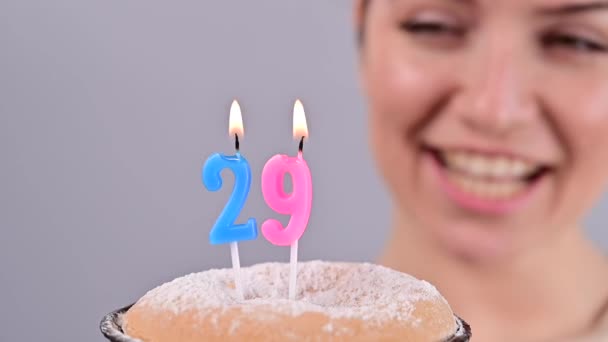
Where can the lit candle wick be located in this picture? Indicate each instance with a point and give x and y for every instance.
(237, 145)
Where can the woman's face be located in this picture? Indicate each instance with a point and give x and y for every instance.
(488, 118)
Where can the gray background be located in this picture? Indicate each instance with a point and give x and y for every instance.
(108, 110)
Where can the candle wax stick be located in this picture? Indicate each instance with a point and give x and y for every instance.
(293, 270)
(236, 266)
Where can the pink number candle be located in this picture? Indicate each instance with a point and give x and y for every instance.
(297, 203)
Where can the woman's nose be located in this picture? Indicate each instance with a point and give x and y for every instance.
(495, 99)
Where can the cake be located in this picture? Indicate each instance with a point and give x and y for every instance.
(335, 302)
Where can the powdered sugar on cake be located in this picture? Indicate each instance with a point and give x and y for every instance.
(339, 290)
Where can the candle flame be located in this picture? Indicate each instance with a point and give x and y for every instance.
(235, 123)
(300, 128)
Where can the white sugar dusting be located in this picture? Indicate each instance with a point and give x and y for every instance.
(339, 290)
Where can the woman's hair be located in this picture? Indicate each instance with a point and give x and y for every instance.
(361, 31)
(365, 3)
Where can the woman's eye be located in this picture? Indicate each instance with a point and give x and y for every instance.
(431, 28)
(573, 42)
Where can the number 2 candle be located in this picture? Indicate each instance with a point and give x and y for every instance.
(298, 203)
(225, 230)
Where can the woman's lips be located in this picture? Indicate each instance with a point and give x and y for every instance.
(494, 190)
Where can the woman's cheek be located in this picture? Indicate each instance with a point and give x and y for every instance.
(581, 119)
(590, 141)
(590, 126)
(581, 116)
(403, 92)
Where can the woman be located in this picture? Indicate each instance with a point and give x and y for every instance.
(489, 123)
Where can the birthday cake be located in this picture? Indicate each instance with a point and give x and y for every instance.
(334, 301)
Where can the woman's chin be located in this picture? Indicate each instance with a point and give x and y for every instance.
(473, 242)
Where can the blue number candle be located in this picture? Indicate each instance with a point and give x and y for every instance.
(225, 230)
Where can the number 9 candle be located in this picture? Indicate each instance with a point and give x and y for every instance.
(298, 203)
(224, 229)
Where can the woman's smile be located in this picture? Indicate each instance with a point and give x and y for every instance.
(487, 183)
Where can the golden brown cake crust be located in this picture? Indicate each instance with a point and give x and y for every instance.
(336, 301)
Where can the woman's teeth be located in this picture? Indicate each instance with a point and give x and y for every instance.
(490, 177)
(478, 165)
(484, 188)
